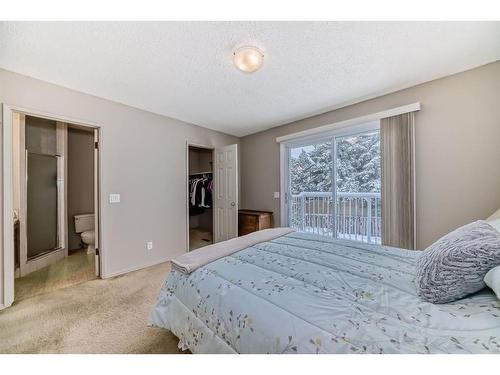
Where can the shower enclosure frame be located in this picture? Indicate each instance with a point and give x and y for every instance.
(60, 243)
(49, 255)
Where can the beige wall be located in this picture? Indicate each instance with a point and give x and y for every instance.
(142, 158)
(80, 179)
(457, 150)
(200, 160)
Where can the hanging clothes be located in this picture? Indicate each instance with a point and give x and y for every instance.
(200, 193)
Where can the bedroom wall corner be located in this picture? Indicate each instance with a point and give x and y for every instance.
(457, 153)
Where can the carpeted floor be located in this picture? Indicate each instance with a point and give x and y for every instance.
(97, 316)
(74, 269)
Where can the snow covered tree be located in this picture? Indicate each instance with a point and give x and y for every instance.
(358, 166)
(311, 170)
(358, 159)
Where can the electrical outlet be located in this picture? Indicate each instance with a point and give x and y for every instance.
(149, 245)
(276, 194)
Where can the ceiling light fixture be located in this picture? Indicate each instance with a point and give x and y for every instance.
(248, 59)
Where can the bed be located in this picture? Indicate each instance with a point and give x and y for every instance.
(305, 293)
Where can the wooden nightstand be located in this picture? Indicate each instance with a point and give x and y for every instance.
(251, 221)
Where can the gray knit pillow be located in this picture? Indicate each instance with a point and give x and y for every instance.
(455, 265)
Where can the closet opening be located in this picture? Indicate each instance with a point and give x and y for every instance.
(200, 186)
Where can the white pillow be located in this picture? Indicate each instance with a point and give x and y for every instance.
(495, 224)
(496, 215)
(492, 279)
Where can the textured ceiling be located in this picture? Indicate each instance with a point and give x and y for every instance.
(184, 69)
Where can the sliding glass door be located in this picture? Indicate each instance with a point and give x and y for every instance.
(333, 185)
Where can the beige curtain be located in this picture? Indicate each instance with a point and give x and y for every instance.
(398, 196)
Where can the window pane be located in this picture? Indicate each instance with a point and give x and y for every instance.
(358, 187)
(358, 163)
(311, 168)
(311, 203)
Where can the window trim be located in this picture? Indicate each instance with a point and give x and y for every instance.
(336, 126)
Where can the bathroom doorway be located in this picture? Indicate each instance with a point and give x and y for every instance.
(55, 208)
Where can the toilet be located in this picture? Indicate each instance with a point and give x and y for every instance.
(84, 225)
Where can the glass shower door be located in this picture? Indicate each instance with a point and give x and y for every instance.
(42, 204)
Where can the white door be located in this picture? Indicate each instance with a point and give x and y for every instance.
(96, 203)
(226, 193)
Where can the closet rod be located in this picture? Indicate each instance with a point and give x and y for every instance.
(194, 174)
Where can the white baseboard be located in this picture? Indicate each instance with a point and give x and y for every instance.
(4, 306)
(135, 268)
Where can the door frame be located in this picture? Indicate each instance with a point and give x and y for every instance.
(7, 242)
(186, 189)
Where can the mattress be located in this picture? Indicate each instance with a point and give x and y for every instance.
(305, 293)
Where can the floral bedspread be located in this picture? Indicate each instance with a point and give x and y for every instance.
(304, 293)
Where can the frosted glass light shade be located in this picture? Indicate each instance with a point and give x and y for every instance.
(248, 59)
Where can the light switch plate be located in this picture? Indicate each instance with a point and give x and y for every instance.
(149, 245)
(276, 194)
(114, 198)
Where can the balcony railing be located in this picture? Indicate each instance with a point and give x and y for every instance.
(356, 216)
